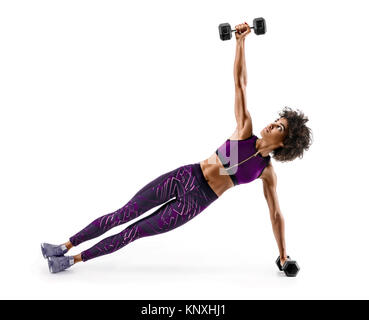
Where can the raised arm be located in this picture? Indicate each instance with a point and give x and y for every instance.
(269, 179)
(239, 70)
(243, 117)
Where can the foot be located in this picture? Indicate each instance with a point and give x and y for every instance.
(57, 264)
(50, 250)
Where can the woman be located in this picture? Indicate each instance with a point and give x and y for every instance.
(189, 189)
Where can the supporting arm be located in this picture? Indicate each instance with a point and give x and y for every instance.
(276, 217)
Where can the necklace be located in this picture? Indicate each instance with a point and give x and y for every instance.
(254, 155)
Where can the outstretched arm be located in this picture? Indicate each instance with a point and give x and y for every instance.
(239, 68)
(240, 78)
(276, 217)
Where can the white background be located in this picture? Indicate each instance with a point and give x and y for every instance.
(98, 98)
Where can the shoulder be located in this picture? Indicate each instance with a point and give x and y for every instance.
(268, 175)
(244, 133)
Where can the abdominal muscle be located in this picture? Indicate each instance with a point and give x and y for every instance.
(211, 169)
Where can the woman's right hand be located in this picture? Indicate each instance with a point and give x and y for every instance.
(242, 30)
(283, 260)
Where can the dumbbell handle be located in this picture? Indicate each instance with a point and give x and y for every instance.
(278, 262)
(236, 30)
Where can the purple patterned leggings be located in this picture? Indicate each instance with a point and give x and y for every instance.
(185, 187)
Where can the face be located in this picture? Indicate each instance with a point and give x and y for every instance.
(275, 132)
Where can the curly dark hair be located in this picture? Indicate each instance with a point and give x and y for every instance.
(298, 139)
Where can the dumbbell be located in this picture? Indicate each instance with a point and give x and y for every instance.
(290, 267)
(225, 30)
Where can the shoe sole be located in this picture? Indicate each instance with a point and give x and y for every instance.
(43, 251)
(50, 265)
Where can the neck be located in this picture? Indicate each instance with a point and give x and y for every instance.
(263, 147)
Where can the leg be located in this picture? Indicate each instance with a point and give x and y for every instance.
(168, 217)
(160, 190)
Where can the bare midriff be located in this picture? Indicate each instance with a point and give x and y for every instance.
(211, 169)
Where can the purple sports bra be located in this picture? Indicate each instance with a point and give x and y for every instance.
(239, 160)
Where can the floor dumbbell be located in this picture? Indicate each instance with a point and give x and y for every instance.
(290, 267)
(225, 29)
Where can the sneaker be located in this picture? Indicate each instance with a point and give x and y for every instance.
(50, 250)
(57, 264)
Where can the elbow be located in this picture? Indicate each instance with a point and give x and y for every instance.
(277, 218)
(240, 83)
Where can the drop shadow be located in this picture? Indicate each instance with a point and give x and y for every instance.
(168, 269)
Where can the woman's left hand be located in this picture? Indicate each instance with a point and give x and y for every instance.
(242, 30)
